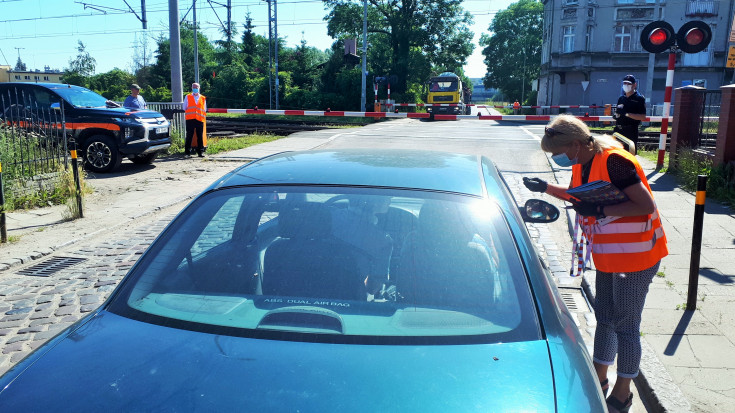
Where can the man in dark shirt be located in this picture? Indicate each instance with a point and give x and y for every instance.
(630, 111)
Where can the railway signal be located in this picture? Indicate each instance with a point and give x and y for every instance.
(658, 36)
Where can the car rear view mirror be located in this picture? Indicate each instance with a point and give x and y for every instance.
(536, 210)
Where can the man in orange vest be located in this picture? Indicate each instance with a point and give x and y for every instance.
(195, 109)
(516, 107)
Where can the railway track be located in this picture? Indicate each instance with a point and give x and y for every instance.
(242, 126)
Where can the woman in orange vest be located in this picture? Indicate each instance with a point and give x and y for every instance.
(195, 111)
(627, 242)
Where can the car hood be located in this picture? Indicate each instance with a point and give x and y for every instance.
(118, 364)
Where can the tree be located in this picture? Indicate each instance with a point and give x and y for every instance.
(20, 66)
(84, 64)
(513, 51)
(437, 30)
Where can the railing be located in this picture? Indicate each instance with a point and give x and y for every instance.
(173, 112)
(702, 8)
(32, 140)
(710, 122)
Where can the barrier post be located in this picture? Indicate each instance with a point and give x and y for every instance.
(696, 242)
(667, 109)
(76, 181)
(3, 225)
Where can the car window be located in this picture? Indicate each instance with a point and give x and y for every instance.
(350, 263)
(81, 97)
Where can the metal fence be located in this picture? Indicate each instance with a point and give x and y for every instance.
(32, 135)
(710, 119)
(173, 112)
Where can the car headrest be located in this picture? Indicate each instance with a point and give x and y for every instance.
(444, 223)
(305, 221)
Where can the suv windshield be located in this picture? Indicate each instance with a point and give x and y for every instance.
(347, 262)
(81, 97)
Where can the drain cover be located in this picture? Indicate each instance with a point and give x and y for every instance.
(50, 266)
(574, 299)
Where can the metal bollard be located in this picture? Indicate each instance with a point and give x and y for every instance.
(76, 181)
(3, 225)
(696, 242)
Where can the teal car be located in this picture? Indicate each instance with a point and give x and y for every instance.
(334, 280)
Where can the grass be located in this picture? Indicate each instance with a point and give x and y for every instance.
(217, 145)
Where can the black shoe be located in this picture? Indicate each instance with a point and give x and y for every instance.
(200, 155)
(616, 406)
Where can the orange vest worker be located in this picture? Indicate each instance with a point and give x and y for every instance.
(627, 244)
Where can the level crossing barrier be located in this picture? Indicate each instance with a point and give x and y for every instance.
(331, 113)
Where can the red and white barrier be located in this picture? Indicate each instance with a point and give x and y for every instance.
(517, 118)
(502, 106)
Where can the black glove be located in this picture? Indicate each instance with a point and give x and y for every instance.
(586, 209)
(535, 184)
(620, 112)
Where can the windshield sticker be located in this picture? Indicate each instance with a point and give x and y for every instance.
(302, 301)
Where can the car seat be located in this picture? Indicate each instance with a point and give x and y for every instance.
(443, 264)
(307, 260)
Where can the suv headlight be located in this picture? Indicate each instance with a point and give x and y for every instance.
(128, 120)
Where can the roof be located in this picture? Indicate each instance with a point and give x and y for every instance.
(436, 171)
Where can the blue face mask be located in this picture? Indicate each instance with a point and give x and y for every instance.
(563, 160)
(195, 91)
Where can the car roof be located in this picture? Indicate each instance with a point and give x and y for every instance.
(428, 170)
(44, 85)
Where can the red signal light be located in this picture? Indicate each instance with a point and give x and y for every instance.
(694, 36)
(658, 36)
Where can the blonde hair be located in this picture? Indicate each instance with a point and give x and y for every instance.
(569, 129)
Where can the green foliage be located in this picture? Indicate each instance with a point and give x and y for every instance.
(81, 67)
(406, 36)
(513, 50)
(114, 85)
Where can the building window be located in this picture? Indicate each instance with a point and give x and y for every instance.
(590, 13)
(567, 15)
(38, 77)
(568, 42)
(17, 77)
(622, 39)
(588, 39)
(46, 77)
(619, 2)
(634, 14)
(566, 3)
(27, 77)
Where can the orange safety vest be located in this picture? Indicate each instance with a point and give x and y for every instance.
(627, 244)
(195, 110)
(516, 105)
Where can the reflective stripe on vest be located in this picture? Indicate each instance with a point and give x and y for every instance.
(627, 244)
(195, 110)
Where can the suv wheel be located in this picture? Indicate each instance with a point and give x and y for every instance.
(144, 159)
(101, 154)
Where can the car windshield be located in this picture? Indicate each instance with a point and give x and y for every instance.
(81, 97)
(443, 86)
(352, 262)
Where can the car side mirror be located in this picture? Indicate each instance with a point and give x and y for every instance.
(536, 210)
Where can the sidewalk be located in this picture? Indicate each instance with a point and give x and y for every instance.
(687, 355)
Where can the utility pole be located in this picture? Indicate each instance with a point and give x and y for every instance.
(175, 51)
(273, 22)
(196, 44)
(229, 23)
(364, 56)
(142, 13)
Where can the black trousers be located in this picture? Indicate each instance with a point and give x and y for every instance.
(629, 131)
(191, 126)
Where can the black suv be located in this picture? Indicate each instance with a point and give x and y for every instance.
(103, 131)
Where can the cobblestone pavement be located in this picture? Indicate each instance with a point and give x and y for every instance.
(34, 309)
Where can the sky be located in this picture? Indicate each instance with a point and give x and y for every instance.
(46, 32)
